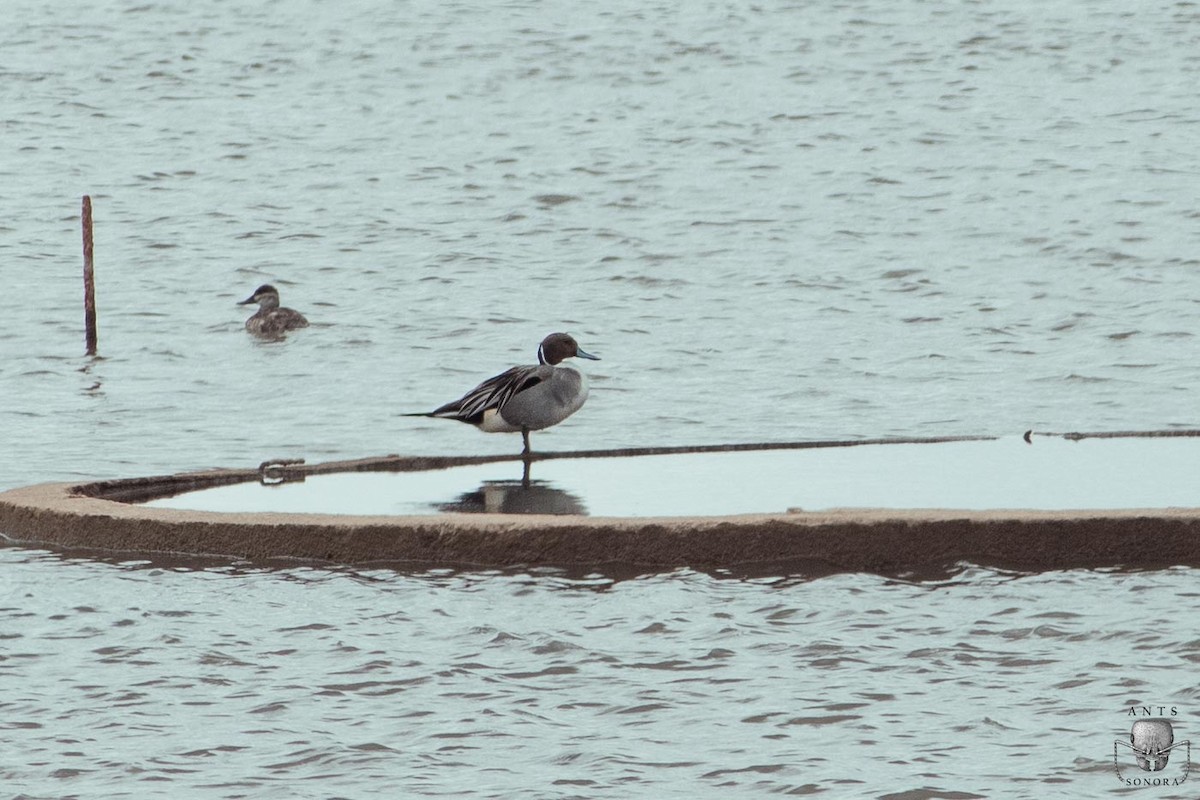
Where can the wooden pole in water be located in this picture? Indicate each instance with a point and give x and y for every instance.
(89, 279)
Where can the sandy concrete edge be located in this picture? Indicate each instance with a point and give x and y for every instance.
(881, 541)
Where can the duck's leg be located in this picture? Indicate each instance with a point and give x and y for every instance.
(526, 457)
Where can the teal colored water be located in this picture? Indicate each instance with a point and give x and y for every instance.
(1002, 474)
(128, 678)
(779, 222)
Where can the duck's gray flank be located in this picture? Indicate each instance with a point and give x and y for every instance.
(526, 398)
(271, 319)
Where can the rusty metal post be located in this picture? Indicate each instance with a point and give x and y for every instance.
(89, 279)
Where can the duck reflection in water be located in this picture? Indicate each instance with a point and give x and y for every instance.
(516, 497)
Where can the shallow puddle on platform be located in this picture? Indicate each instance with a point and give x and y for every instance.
(1051, 474)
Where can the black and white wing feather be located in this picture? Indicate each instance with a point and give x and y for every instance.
(491, 394)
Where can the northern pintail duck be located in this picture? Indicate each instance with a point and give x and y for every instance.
(527, 398)
(271, 319)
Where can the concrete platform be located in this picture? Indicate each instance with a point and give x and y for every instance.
(1129, 501)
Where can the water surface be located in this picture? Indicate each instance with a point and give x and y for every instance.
(1005, 474)
(774, 222)
(779, 222)
(131, 678)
